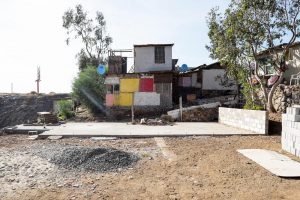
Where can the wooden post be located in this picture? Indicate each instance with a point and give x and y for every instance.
(180, 107)
(132, 109)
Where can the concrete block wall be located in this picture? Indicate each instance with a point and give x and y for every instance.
(290, 139)
(253, 120)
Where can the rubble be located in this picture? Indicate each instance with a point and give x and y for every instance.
(87, 159)
(200, 115)
(47, 118)
(164, 120)
(175, 114)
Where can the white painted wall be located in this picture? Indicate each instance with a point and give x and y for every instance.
(253, 120)
(146, 99)
(112, 80)
(211, 82)
(144, 59)
(294, 63)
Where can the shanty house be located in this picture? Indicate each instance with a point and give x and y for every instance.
(153, 57)
(204, 81)
(150, 83)
(293, 62)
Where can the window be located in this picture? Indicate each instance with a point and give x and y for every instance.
(159, 55)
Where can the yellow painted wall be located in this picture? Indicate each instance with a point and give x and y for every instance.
(129, 85)
(116, 99)
(125, 99)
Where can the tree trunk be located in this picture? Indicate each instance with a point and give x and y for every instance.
(262, 85)
(270, 106)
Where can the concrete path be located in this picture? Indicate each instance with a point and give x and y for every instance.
(128, 130)
(276, 163)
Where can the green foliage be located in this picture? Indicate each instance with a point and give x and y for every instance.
(65, 109)
(91, 32)
(253, 106)
(249, 92)
(248, 28)
(89, 89)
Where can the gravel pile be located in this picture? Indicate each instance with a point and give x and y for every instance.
(88, 159)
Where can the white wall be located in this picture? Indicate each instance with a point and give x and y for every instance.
(253, 120)
(144, 59)
(146, 99)
(290, 137)
(210, 80)
(294, 63)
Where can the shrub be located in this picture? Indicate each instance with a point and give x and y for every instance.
(65, 109)
(89, 89)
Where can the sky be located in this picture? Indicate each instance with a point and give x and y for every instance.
(31, 35)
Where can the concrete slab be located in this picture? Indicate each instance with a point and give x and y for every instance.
(103, 138)
(129, 130)
(274, 162)
(24, 129)
(33, 137)
(55, 137)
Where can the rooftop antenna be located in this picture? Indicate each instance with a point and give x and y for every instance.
(38, 80)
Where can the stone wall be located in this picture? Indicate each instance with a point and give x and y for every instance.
(253, 120)
(200, 115)
(22, 108)
(290, 139)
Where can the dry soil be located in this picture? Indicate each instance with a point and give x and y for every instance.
(173, 168)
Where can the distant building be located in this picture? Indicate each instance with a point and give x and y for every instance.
(293, 61)
(153, 57)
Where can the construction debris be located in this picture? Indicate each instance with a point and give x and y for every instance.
(175, 114)
(47, 118)
(200, 115)
(88, 159)
(103, 138)
(55, 137)
(162, 121)
(33, 137)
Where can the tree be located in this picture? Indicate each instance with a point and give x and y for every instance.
(89, 88)
(245, 30)
(91, 32)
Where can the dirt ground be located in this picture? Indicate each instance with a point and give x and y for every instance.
(275, 124)
(169, 168)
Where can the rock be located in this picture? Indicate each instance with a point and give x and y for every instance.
(103, 138)
(143, 121)
(55, 137)
(167, 118)
(33, 137)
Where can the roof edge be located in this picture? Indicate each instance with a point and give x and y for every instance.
(152, 45)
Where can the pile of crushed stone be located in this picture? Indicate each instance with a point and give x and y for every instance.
(90, 159)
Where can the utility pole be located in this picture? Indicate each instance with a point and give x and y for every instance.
(12, 87)
(38, 80)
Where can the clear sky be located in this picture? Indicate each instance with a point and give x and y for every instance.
(31, 35)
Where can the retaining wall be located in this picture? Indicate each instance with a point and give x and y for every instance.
(290, 139)
(253, 120)
(22, 108)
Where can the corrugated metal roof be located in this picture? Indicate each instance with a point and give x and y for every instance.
(278, 48)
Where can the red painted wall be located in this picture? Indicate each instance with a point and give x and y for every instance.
(146, 84)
